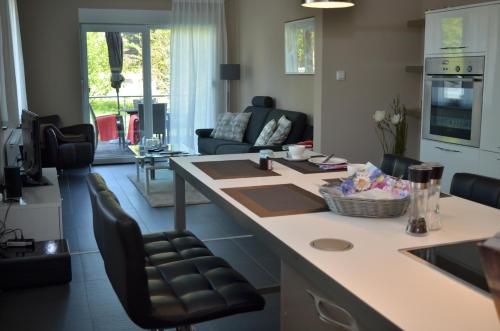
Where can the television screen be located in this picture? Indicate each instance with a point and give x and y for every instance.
(32, 162)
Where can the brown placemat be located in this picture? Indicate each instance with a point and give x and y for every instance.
(232, 169)
(304, 167)
(277, 200)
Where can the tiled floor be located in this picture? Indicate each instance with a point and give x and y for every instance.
(89, 303)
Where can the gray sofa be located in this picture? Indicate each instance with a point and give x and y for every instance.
(263, 111)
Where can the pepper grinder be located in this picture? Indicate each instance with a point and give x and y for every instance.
(419, 176)
(433, 215)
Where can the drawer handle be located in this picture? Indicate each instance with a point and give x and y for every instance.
(454, 47)
(448, 150)
(343, 320)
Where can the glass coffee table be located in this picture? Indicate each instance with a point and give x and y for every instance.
(152, 159)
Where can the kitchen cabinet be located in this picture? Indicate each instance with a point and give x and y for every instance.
(305, 305)
(490, 128)
(457, 31)
(489, 164)
(454, 158)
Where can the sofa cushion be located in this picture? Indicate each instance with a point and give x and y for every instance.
(232, 126)
(266, 133)
(281, 133)
(299, 122)
(256, 123)
(210, 146)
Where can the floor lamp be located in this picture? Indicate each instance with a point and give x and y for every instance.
(229, 72)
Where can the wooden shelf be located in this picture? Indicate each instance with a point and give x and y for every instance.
(415, 69)
(414, 112)
(418, 23)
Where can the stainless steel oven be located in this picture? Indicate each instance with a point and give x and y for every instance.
(453, 99)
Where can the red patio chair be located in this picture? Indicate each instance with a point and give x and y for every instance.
(107, 127)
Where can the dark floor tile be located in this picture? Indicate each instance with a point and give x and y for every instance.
(71, 236)
(77, 269)
(86, 240)
(106, 311)
(51, 308)
(93, 267)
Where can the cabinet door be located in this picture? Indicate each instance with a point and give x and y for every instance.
(490, 125)
(489, 164)
(457, 31)
(306, 306)
(454, 158)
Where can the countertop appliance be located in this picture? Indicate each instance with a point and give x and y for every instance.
(461, 260)
(453, 98)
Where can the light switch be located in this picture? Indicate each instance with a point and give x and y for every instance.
(341, 75)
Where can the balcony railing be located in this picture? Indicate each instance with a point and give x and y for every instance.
(104, 105)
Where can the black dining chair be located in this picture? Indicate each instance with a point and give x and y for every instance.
(397, 166)
(161, 121)
(168, 279)
(480, 189)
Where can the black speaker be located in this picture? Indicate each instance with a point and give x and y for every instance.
(13, 183)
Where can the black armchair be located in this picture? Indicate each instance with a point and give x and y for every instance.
(66, 147)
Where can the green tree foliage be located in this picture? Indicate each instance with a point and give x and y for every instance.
(160, 59)
(98, 65)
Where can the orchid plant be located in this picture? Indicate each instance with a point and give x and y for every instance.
(392, 129)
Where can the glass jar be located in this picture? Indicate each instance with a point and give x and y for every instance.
(433, 214)
(265, 159)
(419, 177)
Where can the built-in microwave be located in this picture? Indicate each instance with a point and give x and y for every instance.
(453, 99)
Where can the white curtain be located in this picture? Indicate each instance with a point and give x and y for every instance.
(199, 46)
(12, 82)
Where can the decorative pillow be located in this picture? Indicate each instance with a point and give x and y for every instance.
(232, 126)
(282, 131)
(219, 121)
(266, 133)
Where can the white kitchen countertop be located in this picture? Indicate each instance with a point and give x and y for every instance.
(409, 293)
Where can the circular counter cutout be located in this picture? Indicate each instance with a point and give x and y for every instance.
(332, 245)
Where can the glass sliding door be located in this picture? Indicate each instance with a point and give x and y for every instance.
(125, 74)
(160, 82)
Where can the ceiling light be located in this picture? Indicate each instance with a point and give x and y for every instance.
(327, 4)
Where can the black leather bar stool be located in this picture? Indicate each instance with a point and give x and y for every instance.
(168, 279)
(480, 189)
(397, 166)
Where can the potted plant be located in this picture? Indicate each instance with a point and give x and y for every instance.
(392, 128)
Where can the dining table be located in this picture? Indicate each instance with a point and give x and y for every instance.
(370, 284)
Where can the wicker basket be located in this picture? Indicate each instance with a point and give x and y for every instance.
(364, 207)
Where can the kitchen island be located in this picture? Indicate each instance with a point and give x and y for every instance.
(376, 283)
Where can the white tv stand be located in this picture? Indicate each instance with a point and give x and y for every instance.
(39, 213)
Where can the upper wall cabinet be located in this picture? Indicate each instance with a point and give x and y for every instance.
(457, 31)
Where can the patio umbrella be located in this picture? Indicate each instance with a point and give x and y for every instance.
(115, 54)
